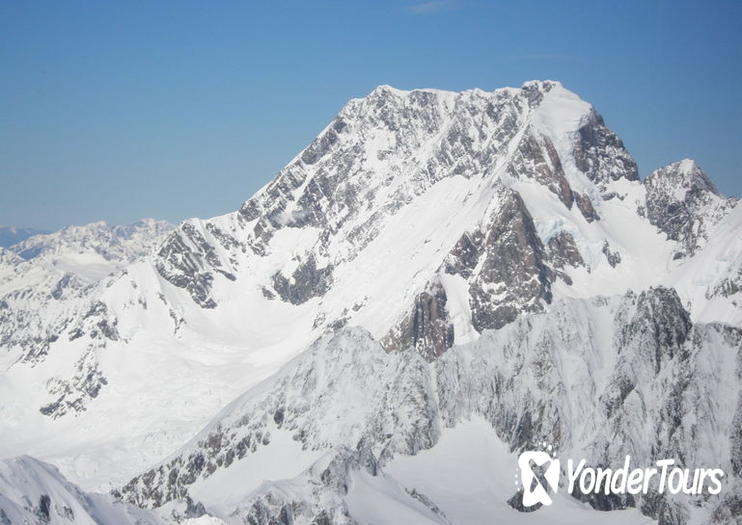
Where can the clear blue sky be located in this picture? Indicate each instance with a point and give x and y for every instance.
(122, 110)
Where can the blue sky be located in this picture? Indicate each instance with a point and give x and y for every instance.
(123, 110)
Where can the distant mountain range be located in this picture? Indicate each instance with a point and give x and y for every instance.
(10, 235)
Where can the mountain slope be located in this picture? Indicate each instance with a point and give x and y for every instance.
(35, 492)
(684, 203)
(597, 379)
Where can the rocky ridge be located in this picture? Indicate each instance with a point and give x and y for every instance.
(651, 388)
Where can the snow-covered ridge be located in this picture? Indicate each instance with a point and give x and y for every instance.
(591, 377)
(10, 235)
(35, 492)
(684, 203)
(119, 243)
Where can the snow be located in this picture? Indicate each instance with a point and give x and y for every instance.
(25, 483)
(427, 218)
(203, 520)
(470, 475)
(721, 259)
(559, 117)
(283, 459)
(91, 267)
(457, 304)
(378, 499)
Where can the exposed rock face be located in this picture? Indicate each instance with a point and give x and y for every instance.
(426, 328)
(306, 282)
(513, 276)
(601, 155)
(185, 259)
(537, 158)
(564, 251)
(684, 204)
(72, 395)
(505, 267)
(613, 258)
(586, 207)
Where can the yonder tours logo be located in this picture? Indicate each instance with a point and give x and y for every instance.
(540, 471)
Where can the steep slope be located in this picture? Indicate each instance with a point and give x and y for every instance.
(35, 492)
(683, 203)
(428, 218)
(711, 281)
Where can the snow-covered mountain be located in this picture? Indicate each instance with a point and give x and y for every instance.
(119, 244)
(35, 492)
(432, 265)
(10, 235)
(600, 379)
(45, 278)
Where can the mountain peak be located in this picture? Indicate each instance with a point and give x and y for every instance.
(684, 203)
(543, 85)
(683, 178)
(386, 88)
(534, 86)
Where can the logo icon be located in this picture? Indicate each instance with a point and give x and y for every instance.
(539, 474)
